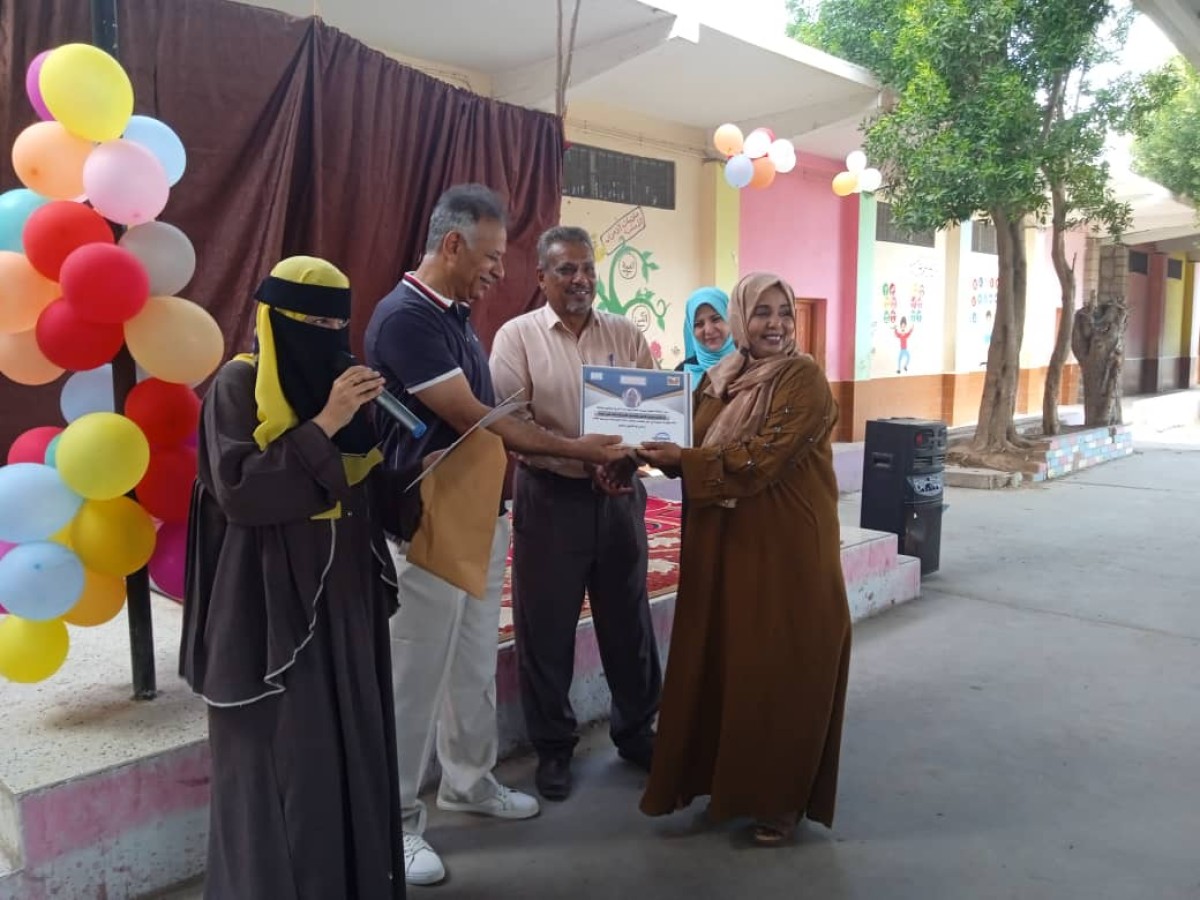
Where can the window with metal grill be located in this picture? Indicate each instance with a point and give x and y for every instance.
(886, 229)
(1175, 269)
(592, 173)
(1139, 263)
(983, 238)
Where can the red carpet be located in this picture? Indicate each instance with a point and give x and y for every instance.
(662, 534)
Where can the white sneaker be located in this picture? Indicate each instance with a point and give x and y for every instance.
(505, 803)
(421, 864)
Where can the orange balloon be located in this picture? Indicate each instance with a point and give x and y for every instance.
(728, 139)
(175, 340)
(49, 160)
(101, 600)
(21, 360)
(764, 173)
(24, 293)
(845, 183)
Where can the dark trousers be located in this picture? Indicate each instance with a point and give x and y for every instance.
(567, 538)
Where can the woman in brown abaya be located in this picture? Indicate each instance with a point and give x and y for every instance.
(756, 677)
(289, 590)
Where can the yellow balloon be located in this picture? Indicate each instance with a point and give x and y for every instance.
(102, 455)
(845, 183)
(102, 598)
(62, 536)
(32, 651)
(175, 340)
(113, 537)
(87, 91)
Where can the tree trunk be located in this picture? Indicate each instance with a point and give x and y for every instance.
(1099, 345)
(1066, 282)
(999, 401)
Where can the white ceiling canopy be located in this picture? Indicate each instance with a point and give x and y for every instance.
(656, 58)
(1180, 21)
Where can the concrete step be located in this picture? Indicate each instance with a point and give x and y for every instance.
(981, 479)
(871, 596)
(10, 832)
(867, 554)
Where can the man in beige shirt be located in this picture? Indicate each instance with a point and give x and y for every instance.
(576, 528)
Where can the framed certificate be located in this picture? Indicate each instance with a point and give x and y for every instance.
(638, 404)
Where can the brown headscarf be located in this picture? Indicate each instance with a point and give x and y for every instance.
(747, 383)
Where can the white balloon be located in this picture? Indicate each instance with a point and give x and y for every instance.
(783, 155)
(758, 142)
(856, 161)
(167, 254)
(738, 171)
(87, 392)
(870, 180)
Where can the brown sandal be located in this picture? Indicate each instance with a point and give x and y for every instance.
(774, 831)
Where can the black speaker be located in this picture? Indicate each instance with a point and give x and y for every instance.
(904, 462)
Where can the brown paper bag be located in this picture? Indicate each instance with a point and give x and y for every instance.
(461, 503)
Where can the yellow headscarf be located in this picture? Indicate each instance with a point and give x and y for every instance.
(275, 415)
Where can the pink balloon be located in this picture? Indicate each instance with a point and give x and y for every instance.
(125, 182)
(33, 90)
(166, 565)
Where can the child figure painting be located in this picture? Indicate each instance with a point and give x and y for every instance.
(902, 332)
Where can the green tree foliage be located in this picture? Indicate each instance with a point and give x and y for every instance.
(1167, 125)
(991, 113)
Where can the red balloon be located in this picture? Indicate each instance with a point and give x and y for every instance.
(30, 446)
(74, 343)
(104, 283)
(57, 229)
(166, 489)
(167, 413)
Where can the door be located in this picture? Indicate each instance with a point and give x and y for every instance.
(810, 327)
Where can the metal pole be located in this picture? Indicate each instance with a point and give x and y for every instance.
(137, 585)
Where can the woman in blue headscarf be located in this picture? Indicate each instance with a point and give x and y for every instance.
(706, 337)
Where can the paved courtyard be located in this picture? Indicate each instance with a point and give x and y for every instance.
(1028, 729)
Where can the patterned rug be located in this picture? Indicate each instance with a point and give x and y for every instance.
(662, 535)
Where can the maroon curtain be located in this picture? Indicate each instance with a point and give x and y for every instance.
(300, 140)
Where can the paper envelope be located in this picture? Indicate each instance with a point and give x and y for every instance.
(461, 503)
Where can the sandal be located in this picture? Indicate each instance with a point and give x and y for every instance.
(774, 831)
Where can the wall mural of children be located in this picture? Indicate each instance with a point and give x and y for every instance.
(903, 332)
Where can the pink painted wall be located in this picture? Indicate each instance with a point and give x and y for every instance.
(801, 230)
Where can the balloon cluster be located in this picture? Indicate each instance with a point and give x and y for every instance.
(71, 295)
(755, 159)
(857, 178)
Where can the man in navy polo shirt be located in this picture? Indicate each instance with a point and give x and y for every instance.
(444, 643)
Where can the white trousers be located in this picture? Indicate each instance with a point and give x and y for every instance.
(444, 645)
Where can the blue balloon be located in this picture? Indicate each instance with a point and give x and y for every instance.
(160, 140)
(739, 170)
(34, 503)
(52, 450)
(87, 392)
(40, 581)
(15, 209)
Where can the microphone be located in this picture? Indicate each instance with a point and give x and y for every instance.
(390, 405)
